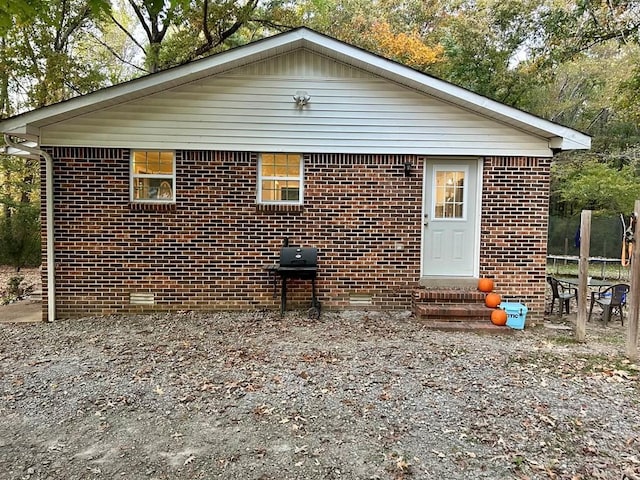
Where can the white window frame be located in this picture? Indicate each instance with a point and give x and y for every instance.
(299, 178)
(133, 176)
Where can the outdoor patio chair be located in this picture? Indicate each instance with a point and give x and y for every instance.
(610, 299)
(563, 292)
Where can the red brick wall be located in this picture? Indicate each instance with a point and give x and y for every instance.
(513, 239)
(208, 252)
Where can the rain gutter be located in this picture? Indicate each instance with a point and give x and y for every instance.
(51, 264)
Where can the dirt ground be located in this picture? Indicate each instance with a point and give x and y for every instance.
(353, 395)
(22, 311)
(24, 305)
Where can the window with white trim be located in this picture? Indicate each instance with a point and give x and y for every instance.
(280, 178)
(153, 176)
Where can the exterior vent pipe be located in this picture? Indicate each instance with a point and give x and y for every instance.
(51, 264)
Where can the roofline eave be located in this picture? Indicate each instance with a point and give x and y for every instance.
(30, 122)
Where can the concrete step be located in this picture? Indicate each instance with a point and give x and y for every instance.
(36, 295)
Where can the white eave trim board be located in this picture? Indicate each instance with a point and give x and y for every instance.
(570, 142)
(17, 152)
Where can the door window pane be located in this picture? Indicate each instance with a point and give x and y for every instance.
(449, 193)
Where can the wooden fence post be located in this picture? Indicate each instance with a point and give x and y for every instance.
(583, 273)
(634, 297)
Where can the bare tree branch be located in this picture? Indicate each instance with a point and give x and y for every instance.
(127, 33)
(141, 18)
(222, 35)
(117, 55)
(205, 23)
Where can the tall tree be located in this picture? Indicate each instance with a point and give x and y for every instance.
(178, 31)
(211, 26)
(364, 23)
(47, 68)
(572, 27)
(487, 48)
(41, 65)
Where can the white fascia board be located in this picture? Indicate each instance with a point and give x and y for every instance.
(20, 129)
(16, 152)
(570, 142)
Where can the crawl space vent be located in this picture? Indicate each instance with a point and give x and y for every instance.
(142, 299)
(359, 300)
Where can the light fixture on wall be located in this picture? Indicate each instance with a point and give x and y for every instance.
(301, 98)
(407, 169)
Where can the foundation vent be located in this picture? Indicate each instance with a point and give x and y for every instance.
(360, 300)
(142, 299)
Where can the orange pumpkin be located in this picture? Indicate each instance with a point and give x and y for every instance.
(499, 317)
(492, 300)
(485, 285)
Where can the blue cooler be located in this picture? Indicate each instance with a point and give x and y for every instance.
(516, 314)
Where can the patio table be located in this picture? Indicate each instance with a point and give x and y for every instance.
(593, 282)
(594, 285)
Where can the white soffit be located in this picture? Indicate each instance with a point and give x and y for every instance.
(560, 137)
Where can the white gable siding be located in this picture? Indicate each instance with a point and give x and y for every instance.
(252, 109)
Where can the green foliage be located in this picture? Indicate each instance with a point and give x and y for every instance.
(487, 49)
(597, 186)
(42, 63)
(205, 28)
(20, 236)
(16, 12)
(19, 212)
(178, 31)
(13, 285)
(628, 92)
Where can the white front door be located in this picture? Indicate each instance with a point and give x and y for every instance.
(450, 214)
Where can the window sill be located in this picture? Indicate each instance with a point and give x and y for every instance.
(278, 207)
(153, 207)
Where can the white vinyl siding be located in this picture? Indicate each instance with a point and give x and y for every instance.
(252, 109)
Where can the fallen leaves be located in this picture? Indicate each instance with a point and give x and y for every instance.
(235, 395)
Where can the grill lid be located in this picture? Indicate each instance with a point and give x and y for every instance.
(297, 257)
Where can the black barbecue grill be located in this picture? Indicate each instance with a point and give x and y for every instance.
(300, 263)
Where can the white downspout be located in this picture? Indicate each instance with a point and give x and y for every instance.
(51, 262)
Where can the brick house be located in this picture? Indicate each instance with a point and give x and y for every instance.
(174, 190)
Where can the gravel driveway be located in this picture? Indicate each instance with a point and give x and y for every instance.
(354, 395)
